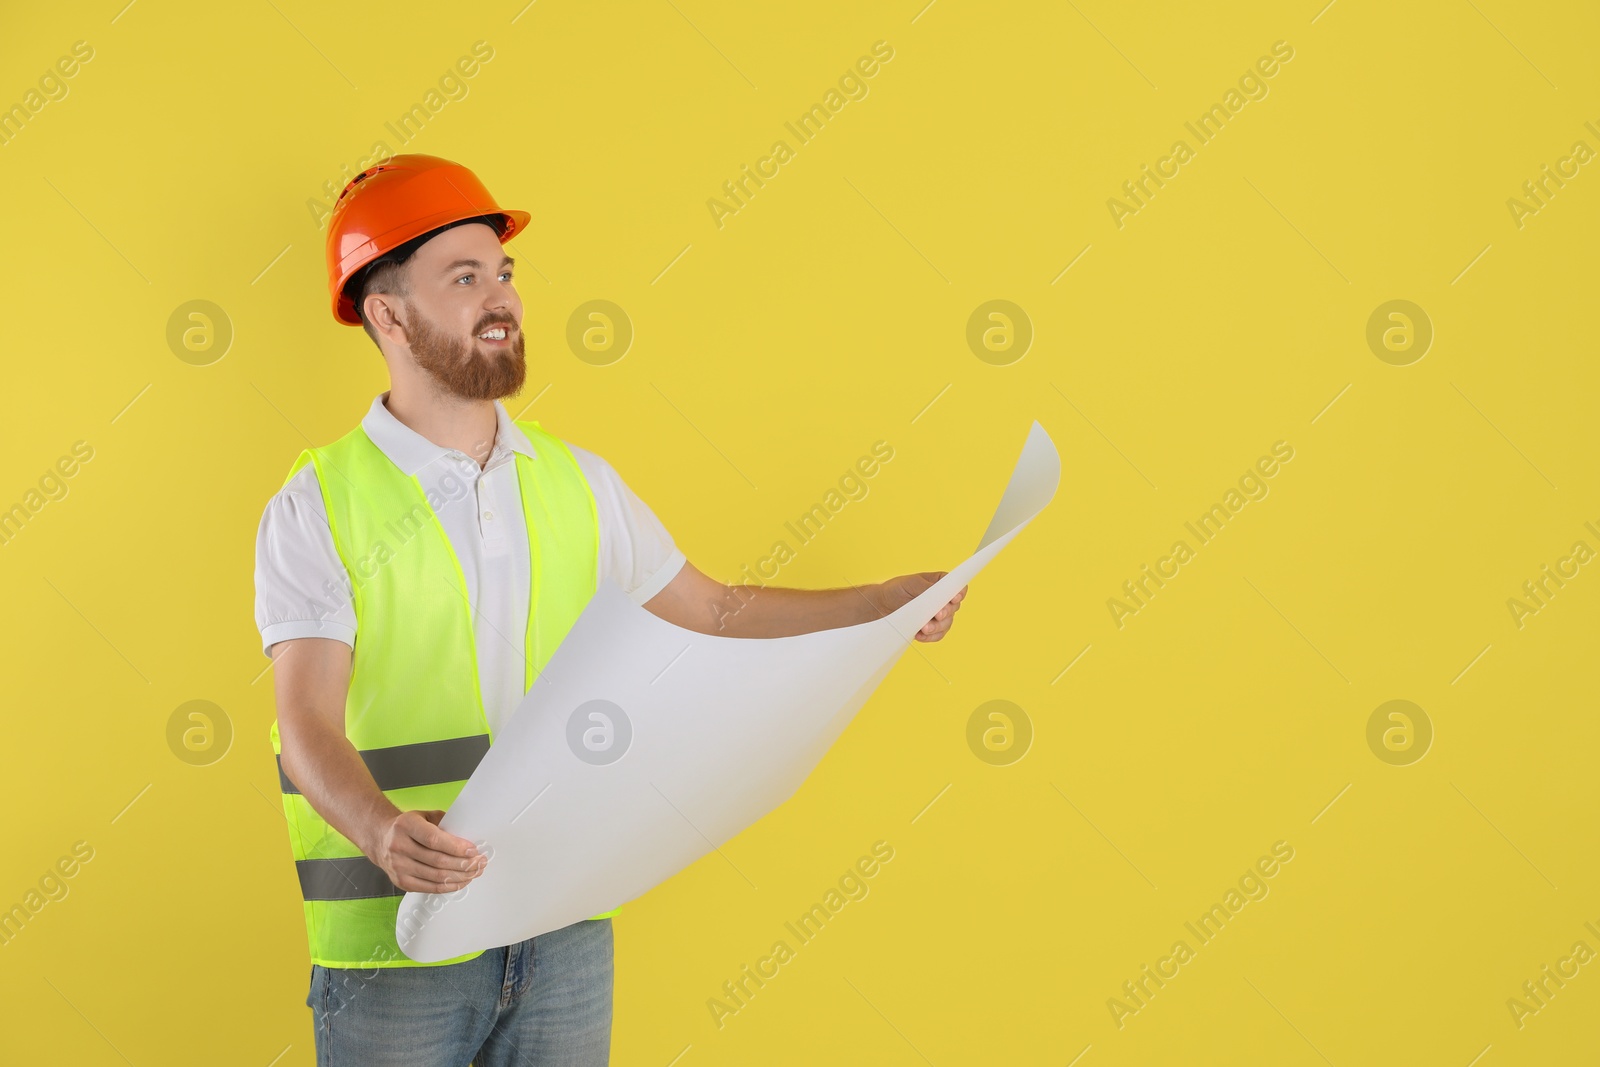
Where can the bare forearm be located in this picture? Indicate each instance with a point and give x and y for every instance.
(696, 601)
(328, 771)
(779, 611)
(312, 683)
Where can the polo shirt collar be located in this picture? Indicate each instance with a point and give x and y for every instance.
(410, 451)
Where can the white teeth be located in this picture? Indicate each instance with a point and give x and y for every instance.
(498, 333)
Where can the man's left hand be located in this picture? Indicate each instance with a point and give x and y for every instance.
(889, 595)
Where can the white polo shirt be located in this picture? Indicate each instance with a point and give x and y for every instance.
(303, 589)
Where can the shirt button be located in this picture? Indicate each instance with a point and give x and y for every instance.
(488, 514)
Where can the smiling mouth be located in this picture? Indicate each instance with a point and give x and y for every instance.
(497, 335)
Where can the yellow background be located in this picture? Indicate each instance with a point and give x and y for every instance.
(829, 313)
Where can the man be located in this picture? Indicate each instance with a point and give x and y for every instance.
(459, 546)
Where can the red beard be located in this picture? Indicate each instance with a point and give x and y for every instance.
(458, 366)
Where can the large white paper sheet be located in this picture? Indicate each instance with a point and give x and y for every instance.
(643, 746)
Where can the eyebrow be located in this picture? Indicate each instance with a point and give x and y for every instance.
(506, 262)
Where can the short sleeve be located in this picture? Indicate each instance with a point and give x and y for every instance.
(302, 587)
(636, 551)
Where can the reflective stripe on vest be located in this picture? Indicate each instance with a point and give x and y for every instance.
(414, 711)
(423, 763)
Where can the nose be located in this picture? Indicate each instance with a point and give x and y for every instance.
(500, 301)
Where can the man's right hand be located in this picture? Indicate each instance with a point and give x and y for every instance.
(421, 858)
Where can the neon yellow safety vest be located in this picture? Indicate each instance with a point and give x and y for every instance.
(415, 707)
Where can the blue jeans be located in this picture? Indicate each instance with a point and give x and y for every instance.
(543, 1002)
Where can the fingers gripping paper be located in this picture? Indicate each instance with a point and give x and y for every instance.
(643, 746)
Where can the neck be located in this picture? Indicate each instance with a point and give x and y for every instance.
(448, 421)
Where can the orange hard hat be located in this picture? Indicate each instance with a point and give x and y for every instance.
(393, 202)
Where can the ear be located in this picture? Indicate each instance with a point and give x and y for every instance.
(383, 312)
